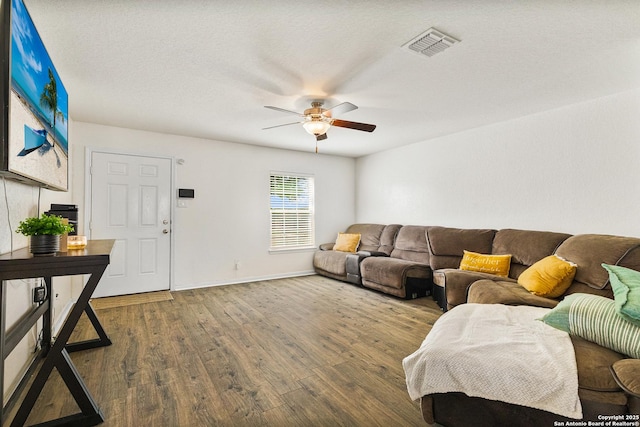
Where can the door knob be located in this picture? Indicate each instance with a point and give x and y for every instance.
(165, 231)
(165, 222)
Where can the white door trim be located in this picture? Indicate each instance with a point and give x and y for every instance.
(87, 198)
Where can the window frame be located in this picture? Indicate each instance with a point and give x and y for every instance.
(286, 242)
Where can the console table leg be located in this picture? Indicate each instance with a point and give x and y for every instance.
(103, 339)
(76, 386)
(59, 358)
(47, 318)
(3, 320)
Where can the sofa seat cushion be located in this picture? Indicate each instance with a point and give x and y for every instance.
(392, 272)
(333, 262)
(505, 292)
(594, 362)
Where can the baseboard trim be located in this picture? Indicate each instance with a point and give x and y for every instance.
(243, 280)
(61, 317)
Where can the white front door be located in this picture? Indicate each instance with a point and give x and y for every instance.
(131, 203)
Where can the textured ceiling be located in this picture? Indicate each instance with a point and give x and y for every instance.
(207, 68)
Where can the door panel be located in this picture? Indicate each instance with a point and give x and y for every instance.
(131, 203)
(148, 248)
(118, 265)
(117, 203)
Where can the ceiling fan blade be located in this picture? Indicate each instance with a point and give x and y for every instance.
(282, 110)
(353, 125)
(321, 137)
(277, 126)
(339, 109)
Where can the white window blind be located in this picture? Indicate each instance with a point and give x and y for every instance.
(291, 208)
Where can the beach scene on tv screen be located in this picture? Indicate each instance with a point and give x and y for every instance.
(38, 132)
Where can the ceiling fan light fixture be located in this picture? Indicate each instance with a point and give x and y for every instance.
(316, 126)
(317, 120)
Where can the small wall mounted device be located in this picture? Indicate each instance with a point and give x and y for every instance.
(186, 193)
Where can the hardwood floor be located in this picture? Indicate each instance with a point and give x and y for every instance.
(292, 352)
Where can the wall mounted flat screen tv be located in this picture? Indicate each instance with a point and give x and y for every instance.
(35, 105)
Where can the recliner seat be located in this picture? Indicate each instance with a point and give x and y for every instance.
(406, 272)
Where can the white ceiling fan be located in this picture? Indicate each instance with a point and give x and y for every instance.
(317, 120)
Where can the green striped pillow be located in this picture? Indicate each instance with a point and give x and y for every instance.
(596, 319)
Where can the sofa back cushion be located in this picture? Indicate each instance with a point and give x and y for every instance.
(388, 238)
(526, 247)
(369, 235)
(589, 251)
(411, 244)
(447, 245)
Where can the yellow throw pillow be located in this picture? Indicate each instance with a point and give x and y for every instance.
(492, 264)
(347, 242)
(550, 277)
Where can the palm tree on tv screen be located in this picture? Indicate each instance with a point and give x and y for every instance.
(49, 100)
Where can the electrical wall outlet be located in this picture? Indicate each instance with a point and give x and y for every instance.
(39, 294)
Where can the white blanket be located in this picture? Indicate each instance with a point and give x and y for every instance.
(497, 352)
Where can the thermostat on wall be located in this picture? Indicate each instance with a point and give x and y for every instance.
(186, 193)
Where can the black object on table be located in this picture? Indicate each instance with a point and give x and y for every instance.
(92, 260)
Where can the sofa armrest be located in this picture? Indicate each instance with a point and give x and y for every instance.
(506, 292)
(626, 373)
(326, 246)
(426, 406)
(371, 253)
(455, 283)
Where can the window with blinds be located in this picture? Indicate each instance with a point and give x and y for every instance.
(291, 210)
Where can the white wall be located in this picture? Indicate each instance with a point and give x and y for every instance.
(228, 220)
(575, 169)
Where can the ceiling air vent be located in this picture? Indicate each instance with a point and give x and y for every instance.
(430, 42)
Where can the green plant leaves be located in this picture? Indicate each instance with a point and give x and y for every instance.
(45, 225)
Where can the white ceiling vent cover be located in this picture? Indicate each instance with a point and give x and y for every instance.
(430, 42)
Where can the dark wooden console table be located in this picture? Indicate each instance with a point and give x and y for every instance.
(20, 264)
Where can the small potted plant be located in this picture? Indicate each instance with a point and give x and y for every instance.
(44, 233)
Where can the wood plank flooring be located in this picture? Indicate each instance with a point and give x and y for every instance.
(307, 351)
(134, 299)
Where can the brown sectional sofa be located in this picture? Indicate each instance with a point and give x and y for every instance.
(525, 246)
(602, 390)
(391, 258)
(609, 382)
(589, 251)
(374, 238)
